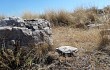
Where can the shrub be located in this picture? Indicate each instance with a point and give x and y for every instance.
(64, 18)
(50, 16)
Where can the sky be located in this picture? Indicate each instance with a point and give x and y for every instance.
(17, 7)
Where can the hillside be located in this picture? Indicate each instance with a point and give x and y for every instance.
(83, 28)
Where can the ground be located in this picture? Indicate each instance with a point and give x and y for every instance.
(87, 41)
(84, 40)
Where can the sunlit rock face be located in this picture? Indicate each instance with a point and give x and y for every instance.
(24, 31)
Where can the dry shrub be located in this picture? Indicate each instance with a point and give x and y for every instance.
(92, 15)
(23, 58)
(83, 17)
(29, 15)
(64, 18)
(79, 17)
(41, 52)
(50, 16)
(58, 18)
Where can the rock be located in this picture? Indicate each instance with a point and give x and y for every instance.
(12, 21)
(95, 25)
(69, 50)
(48, 30)
(14, 29)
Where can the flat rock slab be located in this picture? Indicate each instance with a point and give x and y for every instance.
(67, 49)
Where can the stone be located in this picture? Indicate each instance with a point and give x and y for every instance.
(95, 25)
(12, 21)
(27, 32)
(69, 50)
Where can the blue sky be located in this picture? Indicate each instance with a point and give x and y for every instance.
(17, 7)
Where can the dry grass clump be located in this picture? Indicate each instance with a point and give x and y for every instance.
(83, 17)
(50, 16)
(29, 15)
(22, 58)
(2, 16)
(64, 18)
(59, 18)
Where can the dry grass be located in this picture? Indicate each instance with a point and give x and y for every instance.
(85, 40)
(2, 16)
(58, 18)
(23, 58)
(84, 16)
(64, 18)
(105, 42)
(29, 15)
(50, 16)
(79, 18)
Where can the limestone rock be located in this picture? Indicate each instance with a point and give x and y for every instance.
(25, 31)
(67, 49)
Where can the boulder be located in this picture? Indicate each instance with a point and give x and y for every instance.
(12, 21)
(27, 32)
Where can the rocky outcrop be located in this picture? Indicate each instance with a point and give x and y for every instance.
(25, 32)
